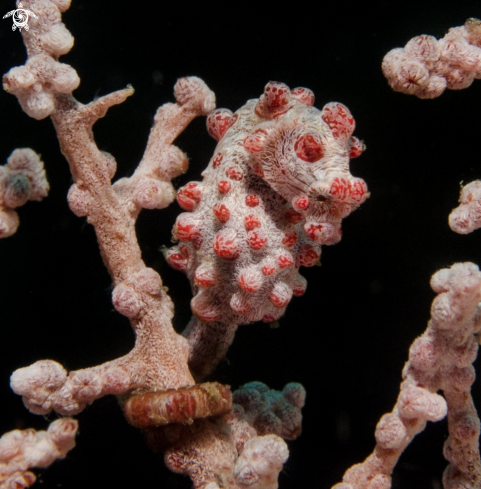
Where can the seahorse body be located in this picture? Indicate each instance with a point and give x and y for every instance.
(276, 189)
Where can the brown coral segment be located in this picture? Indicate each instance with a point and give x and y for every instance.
(178, 406)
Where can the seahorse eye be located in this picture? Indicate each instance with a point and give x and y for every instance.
(309, 148)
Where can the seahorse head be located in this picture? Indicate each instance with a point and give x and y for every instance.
(304, 153)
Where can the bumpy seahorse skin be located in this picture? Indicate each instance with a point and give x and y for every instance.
(276, 189)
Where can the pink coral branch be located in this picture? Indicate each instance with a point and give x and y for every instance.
(440, 359)
(43, 86)
(467, 216)
(425, 67)
(21, 450)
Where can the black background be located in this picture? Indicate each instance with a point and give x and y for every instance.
(347, 338)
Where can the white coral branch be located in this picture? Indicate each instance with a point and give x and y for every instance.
(21, 450)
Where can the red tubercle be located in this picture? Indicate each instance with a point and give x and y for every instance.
(189, 196)
(309, 148)
(225, 244)
(299, 285)
(289, 239)
(251, 222)
(303, 95)
(356, 147)
(250, 280)
(284, 260)
(206, 276)
(184, 249)
(358, 190)
(217, 161)
(351, 190)
(219, 121)
(186, 228)
(221, 212)
(340, 188)
(257, 169)
(224, 186)
(313, 231)
(280, 295)
(268, 270)
(276, 94)
(239, 304)
(301, 202)
(308, 255)
(255, 141)
(176, 259)
(193, 190)
(186, 203)
(293, 216)
(339, 119)
(252, 200)
(298, 291)
(275, 101)
(270, 317)
(203, 307)
(234, 173)
(256, 239)
(278, 301)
